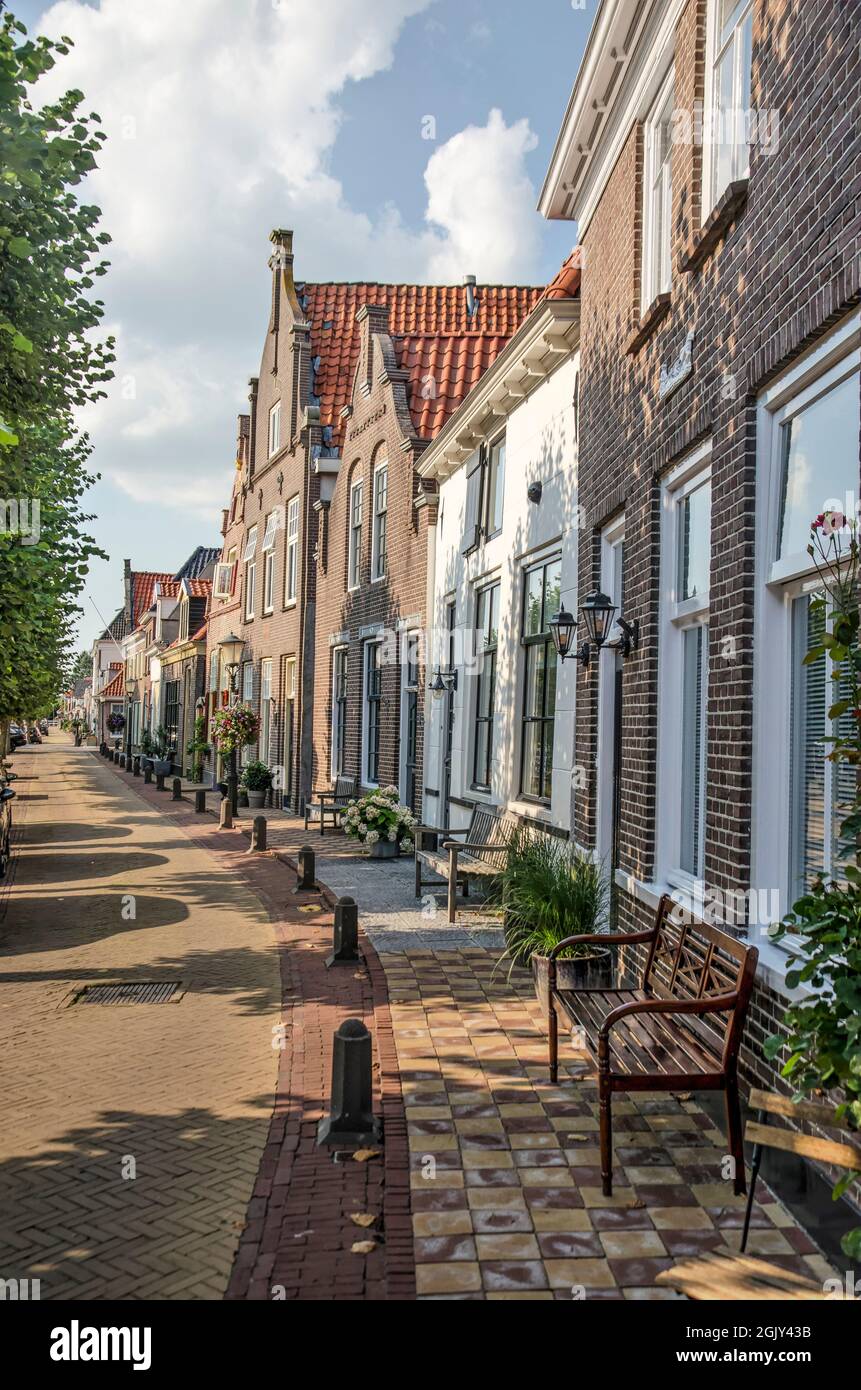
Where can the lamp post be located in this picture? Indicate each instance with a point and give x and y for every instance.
(130, 690)
(231, 654)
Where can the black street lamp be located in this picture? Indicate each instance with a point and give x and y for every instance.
(598, 612)
(231, 649)
(130, 690)
(443, 682)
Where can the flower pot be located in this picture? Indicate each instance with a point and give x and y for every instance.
(161, 766)
(385, 849)
(594, 971)
(256, 796)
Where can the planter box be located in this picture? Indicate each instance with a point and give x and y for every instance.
(256, 797)
(573, 972)
(385, 849)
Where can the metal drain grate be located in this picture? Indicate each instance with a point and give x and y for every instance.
(160, 993)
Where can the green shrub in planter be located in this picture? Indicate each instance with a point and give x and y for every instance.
(550, 890)
(256, 776)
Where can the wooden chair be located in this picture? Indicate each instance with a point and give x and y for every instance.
(726, 1274)
(481, 855)
(331, 803)
(681, 1030)
(765, 1136)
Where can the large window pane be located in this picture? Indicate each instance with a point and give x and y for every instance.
(820, 463)
(695, 542)
(695, 681)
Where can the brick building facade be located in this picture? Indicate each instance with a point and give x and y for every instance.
(420, 354)
(720, 412)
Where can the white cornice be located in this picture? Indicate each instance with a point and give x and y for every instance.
(626, 55)
(526, 361)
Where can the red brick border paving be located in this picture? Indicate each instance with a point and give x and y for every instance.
(298, 1235)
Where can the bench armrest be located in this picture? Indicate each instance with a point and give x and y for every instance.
(718, 1003)
(604, 939)
(475, 848)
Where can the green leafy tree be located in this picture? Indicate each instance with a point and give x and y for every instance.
(51, 362)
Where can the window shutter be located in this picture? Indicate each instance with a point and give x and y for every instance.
(474, 492)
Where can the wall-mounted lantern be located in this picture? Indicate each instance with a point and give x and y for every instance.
(597, 611)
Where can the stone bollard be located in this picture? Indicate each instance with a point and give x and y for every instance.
(200, 799)
(258, 834)
(136, 767)
(177, 789)
(351, 1116)
(159, 781)
(147, 774)
(346, 934)
(225, 815)
(307, 873)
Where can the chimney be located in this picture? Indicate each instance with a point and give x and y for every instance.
(127, 589)
(253, 383)
(280, 263)
(471, 296)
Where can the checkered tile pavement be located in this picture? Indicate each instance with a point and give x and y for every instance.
(506, 1183)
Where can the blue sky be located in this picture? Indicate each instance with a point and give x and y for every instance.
(228, 117)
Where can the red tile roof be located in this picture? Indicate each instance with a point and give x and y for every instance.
(199, 588)
(117, 686)
(200, 634)
(436, 334)
(143, 586)
(566, 282)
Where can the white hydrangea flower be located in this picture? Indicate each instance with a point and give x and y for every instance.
(372, 837)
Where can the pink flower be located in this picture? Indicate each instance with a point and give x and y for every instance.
(832, 522)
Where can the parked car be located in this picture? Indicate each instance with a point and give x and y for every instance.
(44, 727)
(7, 796)
(16, 736)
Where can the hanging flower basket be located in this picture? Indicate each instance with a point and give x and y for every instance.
(235, 727)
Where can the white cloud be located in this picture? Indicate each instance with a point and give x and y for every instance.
(221, 119)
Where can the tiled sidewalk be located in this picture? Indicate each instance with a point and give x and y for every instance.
(506, 1185)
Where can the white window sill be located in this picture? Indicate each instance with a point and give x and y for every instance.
(290, 602)
(378, 578)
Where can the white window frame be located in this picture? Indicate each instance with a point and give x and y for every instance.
(265, 709)
(274, 429)
(249, 555)
(354, 546)
(612, 537)
(246, 678)
(335, 732)
(291, 554)
(366, 664)
(223, 580)
(658, 196)
(715, 50)
(377, 573)
(269, 560)
(677, 616)
(778, 583)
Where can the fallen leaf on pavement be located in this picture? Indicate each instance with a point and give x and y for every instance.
(362, 1155)
(364, 1247)
(362, 1218)
(636, 1205)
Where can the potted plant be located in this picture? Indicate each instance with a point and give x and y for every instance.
(822, 1038)
(380, 822)
(147, 746)
(551, 890)
(256, 779)
(162, 762)
(197, 747)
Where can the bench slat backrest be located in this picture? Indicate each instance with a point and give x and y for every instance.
(691, 959)
(490, 827)
(345, 787)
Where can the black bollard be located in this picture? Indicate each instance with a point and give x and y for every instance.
(307, 873)
(351, 1116)
(346, 934)
(147, 774)
(225, 815)
(136, 767)
(200, 799)
(122, 759)
(177, 789)
(159, 781)
(258, 834)
(116, 756)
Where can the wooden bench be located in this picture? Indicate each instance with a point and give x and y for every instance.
(481, 854)
(681, 1030)
(331, 803)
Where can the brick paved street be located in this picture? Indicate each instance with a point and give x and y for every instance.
(182, 1089)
